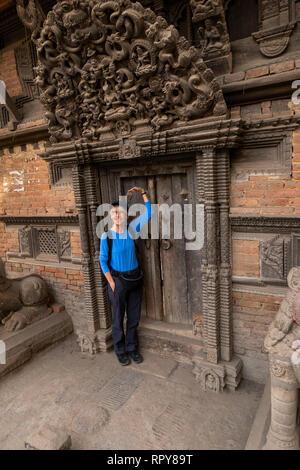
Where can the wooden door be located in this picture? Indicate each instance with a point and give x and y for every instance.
(172, 286)
(172, 251)
(152, 296)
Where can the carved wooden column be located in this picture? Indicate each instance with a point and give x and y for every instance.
(226, 327)
(200, 199)
(216, 367)
(101, 291)
(212, 309)
(87, 268)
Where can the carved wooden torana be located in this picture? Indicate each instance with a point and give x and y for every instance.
(119, 83)
(107, 66)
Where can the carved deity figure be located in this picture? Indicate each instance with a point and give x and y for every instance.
(22, 300)
(204, 8)
(212, 35)
(282, 343)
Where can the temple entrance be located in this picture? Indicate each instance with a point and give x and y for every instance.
(172, 287)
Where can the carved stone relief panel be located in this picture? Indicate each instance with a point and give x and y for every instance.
(275, 257)
(106, 66)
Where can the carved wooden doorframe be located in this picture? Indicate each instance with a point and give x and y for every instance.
(131, 88)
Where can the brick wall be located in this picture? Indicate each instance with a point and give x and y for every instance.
(25, 187)
(25, 190)
(8, 72)
(265, 192)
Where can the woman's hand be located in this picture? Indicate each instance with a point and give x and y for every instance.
(110, 281)
(136, 189)
(139, 190)
(112, 285)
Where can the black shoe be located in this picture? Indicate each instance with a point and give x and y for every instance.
(136, 357)
(123, 359)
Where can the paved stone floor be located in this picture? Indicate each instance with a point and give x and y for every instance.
(153, 405)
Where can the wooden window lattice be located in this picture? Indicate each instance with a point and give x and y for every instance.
(47, 242)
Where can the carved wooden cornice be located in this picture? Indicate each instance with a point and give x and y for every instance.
(39, 220)
(286, 123)
(22, 136)
(264, 224)
(183, 139)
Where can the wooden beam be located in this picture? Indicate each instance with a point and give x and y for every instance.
(6, 100)
(4, 4)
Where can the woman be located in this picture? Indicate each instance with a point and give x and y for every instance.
(123, 263)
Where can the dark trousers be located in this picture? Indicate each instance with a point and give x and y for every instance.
(130, 300)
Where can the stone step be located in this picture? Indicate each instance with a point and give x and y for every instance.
(171, 340)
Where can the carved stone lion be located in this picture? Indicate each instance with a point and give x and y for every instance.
(282, 343)
(22, 300)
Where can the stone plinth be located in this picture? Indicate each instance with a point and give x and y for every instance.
(21, 345)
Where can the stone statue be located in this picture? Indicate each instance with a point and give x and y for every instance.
(22, 300)
(283, 344)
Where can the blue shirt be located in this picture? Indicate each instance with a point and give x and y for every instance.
(123, 256)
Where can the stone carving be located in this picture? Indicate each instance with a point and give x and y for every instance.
(31, 15)
(274, 41)
(272, 258)
(213, 36)
(23, 300)
(283, 337)
(295, 358)
(211, 381)
(105, 65)
(87, 343)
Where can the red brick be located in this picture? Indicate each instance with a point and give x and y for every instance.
(257, 72)
(56, 308)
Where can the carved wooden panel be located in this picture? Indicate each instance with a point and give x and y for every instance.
(45, 243)
(275, 258)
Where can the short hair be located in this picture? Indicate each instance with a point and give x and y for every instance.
(122, 205)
